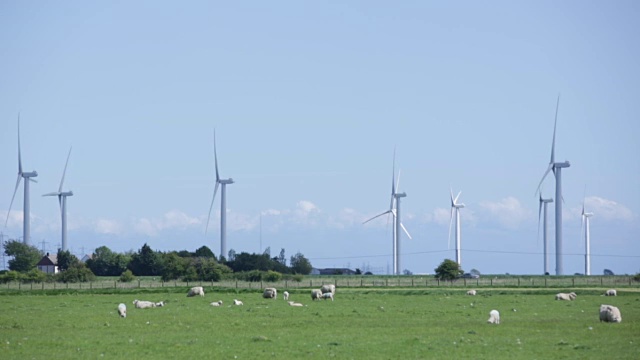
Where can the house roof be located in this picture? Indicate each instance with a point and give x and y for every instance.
(48, 260)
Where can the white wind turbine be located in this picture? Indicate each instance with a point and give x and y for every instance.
(543, 204)
(62, 200)
(557, 171)
(455, 207)
(394, 209)
(223, 203)
(26, 227)
(587, 240)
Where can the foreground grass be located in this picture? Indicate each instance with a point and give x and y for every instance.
(372, 324)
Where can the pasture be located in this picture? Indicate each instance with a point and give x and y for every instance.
(360, 323)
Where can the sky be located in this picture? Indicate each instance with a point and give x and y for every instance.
(308, 101)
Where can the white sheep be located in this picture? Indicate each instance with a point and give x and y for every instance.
(122, 310)
(217, 303)
(291, 303)
(316, 294)
(194, 291)
(328, 288)
(471, 292)
(494, 317)
(327, 296)
(565, 296)
(141, 304)
(237, 302)
(270, 293)
(611, 292)
(286, 295)
(160, 304)
(610, 313)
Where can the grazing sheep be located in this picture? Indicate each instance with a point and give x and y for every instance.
(564, 296)
(494, 317)
(316, 294)
(217, 303)
(328, 288)
(291, 303)
(471, 292)
(286, 295)
(140, 304)
(197, 290)
(327, 296)
(237, 302)
(160, 304)
(610, 313)
(270, 293)
(122, 310)
(611, 292)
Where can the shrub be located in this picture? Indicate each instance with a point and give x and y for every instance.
(127, 276)
(34, 276)
(636, 277)
(76, 273)
(10, 276)
(272, 276)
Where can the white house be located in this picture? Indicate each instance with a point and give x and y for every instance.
(48, 264)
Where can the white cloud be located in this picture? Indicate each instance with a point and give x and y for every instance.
(441, 216)
(173, 219)
(607, 209)
(106, 226)
(345, 218)
(305, 207)
(14, 219)
(508, 212)
(145, 226)
(271, 212)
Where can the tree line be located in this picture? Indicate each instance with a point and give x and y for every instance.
(201, 264)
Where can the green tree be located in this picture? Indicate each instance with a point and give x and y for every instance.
(174, 266)
(232, 255)
(448, 270)
(78, 272)
(146, 262)
(300, 264)
(282, 259)
(474, 272)
(205, 252)
(25, 257)
(105, 262)
(127, 276)
(66, 260)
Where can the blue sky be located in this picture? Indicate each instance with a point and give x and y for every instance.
(308, 101)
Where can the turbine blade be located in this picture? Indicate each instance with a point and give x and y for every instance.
(19, 155)
(398, 181)
(451, 192)
(52, 194)
(544, 176)
(215, 155)
(450, 223)
(553, 144)
(393, 185)
(455, 201)
(12, 198)
(405, 231)
(539, 213)
(377, 216)
(65, 170)
(215, 190)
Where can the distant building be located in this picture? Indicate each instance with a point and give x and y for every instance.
(86, 257)
(332, 271)
(48, 264)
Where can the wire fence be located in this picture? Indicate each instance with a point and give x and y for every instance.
(347, 282)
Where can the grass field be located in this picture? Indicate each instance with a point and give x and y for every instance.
(359, 324)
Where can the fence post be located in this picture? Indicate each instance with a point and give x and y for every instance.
(138, 284)
(492, 282)
(90, 285)
(600, 281)
(43, 285)
(573, 281)
(411, 282)
(438, 282)
(236, 283)
(31, 286)
(518, 282)
(361, 282)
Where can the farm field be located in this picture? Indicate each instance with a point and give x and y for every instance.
(360, 323)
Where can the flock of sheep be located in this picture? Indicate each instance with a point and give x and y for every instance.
(608, 313)
(326, 292)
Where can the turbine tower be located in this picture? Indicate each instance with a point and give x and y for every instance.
(223, 202)
(455, 207)
(543, 204)
(62, 200)
(557, 172)
(26, 227)
(587, 240)
(394, 209)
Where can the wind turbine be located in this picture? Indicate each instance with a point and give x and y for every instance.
(543, 204)
(26, 227)
(557, 172)
(394, 209)
(223, 203)
(587, 240)
(455, 207)
(62, 200)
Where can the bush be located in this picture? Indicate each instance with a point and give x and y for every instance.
(636, 277)
(10, 276)
(34, 276)
(272, 276)
(76, 273)
(127, 276)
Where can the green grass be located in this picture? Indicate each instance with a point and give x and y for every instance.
(361, 323)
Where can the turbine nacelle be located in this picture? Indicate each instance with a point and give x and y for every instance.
(29, 174)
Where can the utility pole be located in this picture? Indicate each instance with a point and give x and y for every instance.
(43, 246)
